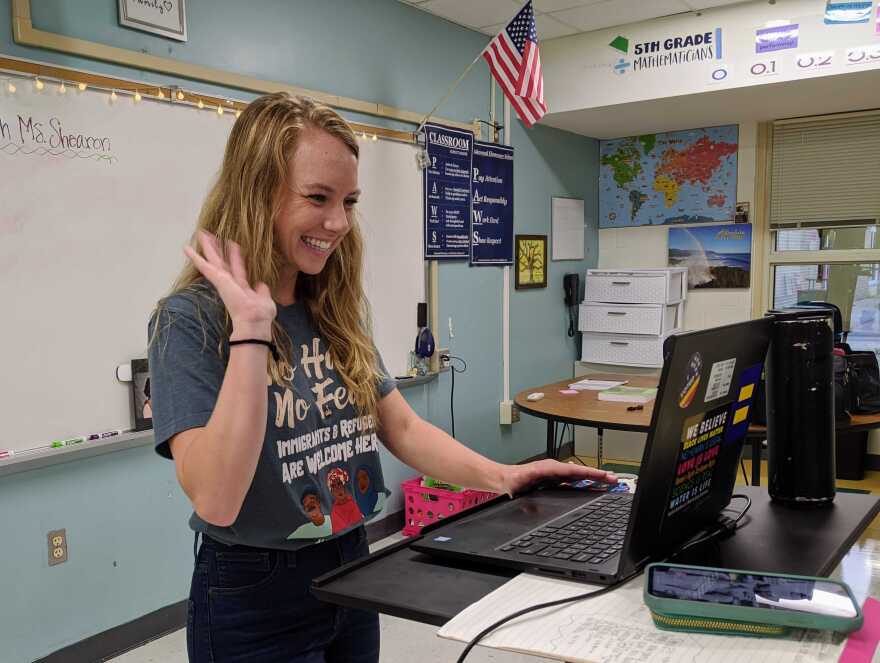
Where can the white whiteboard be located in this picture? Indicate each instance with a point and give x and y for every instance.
(91, 237)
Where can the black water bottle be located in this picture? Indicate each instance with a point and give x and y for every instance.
(800, 408)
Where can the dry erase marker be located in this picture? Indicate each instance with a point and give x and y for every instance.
(104, 435)
(68, 442)
(9, 453)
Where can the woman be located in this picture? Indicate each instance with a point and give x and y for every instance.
(265, 377)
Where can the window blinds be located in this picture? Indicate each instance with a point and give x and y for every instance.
(826, 172)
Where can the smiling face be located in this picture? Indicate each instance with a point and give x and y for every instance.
(312, 507)
(318, 199)
(337, 489)
(363, 480)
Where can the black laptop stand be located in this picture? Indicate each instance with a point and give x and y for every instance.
(401, 582)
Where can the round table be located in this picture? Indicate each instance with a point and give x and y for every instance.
(585, 409)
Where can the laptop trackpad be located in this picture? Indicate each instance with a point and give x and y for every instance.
(496, 525)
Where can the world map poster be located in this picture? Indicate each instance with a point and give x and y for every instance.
(675, 177)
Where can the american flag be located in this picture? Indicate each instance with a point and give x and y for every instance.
(516, 64)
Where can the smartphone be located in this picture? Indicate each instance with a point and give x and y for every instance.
(595, 486)
(703, 599)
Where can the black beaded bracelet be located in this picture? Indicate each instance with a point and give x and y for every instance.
(259, 341)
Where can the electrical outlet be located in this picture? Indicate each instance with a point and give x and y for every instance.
(506, 413)
(57, 540)
(443, 352)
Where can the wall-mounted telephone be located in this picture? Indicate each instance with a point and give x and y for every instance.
(571, 285)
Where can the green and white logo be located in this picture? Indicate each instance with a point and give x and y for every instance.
(620, 44)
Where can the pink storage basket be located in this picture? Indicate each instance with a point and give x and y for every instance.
(423, 506)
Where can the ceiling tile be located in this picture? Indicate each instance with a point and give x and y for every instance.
(550, 28)
(472, 14)
(708, 4)
(547, 27)
(495, 29)
(618, 12)
(544, 6)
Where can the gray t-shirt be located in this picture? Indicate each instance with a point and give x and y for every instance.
(319, 473)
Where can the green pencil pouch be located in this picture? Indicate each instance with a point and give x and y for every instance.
(698, 599)
(716, 626)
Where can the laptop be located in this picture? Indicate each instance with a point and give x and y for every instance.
(701, 415)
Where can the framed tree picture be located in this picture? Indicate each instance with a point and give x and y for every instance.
(531, 262)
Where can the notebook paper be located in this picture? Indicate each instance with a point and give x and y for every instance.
(617, 628)
(595, 385)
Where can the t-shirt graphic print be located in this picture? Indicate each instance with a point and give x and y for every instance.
(319, 473)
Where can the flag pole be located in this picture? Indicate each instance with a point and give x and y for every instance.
(448, 92)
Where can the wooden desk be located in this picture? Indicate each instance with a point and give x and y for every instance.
(857, 423)
(585, 409)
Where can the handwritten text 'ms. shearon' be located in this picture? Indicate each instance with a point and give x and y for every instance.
(25, 130)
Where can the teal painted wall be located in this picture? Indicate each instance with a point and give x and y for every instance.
(130, 549)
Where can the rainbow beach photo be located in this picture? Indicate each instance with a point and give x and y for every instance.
(716, 256)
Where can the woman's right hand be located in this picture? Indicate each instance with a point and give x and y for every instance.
(251, 310)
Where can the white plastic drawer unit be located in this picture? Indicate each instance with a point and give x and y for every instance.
(623, 349)
(655, 319)
(642, 286)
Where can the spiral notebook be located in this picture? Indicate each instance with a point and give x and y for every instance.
(616, 627)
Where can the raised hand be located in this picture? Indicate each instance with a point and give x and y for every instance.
(251, 310)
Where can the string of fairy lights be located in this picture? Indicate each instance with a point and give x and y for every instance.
(11, 81)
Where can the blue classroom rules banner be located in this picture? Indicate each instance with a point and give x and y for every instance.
(492, 206)
(447, 185)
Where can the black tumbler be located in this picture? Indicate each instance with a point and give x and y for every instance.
(800, 407)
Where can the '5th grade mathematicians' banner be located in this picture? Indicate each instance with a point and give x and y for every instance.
(492, 207)
(447, 186)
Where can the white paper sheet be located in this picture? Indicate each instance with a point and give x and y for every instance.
(594, 385)
(617, 627)
(567, 219)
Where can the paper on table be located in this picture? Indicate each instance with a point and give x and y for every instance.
(595, 385)
(616, 627)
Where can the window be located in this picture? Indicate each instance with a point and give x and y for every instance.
(853, 287)
(824, 239)
(824, 219)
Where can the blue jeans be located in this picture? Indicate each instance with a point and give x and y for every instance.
(254, 605)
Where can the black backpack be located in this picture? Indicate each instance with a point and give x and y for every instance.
(864, 383)
(843, 394)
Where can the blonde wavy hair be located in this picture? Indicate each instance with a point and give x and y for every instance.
(243, 205)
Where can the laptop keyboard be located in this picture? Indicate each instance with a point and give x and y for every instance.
(592, 533)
